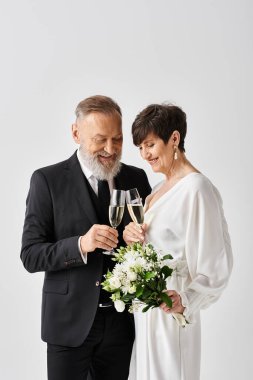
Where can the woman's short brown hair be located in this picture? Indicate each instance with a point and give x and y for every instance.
(161, 120)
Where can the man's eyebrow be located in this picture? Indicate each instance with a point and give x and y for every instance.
(98, 135)
(104, 136)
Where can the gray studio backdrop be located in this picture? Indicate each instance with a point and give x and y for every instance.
(197, 54)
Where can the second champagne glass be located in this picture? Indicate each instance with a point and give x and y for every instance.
(134, 205)
(116, 211)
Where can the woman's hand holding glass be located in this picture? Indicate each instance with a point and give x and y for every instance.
(134, 205)
(135, 231)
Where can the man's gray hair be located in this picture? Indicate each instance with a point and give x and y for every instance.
(97, 103)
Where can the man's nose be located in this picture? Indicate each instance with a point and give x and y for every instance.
(110, 147)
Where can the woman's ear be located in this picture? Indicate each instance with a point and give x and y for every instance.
(175, 138)
(75, 133)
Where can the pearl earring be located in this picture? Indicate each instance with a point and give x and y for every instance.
(175, 153)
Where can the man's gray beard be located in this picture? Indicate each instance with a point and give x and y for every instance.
(99, 170)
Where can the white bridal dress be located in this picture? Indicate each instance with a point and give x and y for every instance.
(189, 223)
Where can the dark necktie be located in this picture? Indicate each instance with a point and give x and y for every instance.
(104, 197)
(104, 201)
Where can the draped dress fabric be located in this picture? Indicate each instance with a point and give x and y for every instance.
(188, 222)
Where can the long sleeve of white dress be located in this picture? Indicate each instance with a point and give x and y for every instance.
(207, 249)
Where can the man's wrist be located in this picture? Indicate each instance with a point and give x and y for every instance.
(82, 253)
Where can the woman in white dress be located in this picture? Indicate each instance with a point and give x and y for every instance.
(184, 217)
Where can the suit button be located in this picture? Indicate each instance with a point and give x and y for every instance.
(97, 283)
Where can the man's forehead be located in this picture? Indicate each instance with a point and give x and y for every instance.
(101, 118)
(102, 125)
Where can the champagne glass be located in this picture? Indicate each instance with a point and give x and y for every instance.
(135, 207)
(116, 211)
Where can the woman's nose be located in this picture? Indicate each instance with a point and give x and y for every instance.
(145, 154)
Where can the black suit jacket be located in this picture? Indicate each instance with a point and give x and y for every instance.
(59, 210)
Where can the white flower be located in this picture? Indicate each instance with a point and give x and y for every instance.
(136, 305)
(125, 288)
(132, 276)
(130, 256)
(132, 289)
(119, 305)
(114, 283)
(140, 264)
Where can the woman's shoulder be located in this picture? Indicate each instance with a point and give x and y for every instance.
(201, 184)
(198, 181)
(194, 181)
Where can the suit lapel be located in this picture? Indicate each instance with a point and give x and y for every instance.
(77, 182)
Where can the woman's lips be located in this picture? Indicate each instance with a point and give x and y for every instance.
(153, 161)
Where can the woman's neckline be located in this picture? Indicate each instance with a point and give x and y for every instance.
(147, 207)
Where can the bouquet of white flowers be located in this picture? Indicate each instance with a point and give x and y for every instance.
(140, 277)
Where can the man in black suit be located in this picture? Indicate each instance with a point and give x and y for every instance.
(66, 229)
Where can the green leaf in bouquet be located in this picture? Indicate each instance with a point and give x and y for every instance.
(161, 285)
(146, 293)
(149, 275)
(166, 271)
(127, 297)
(137, 247)
(150, 305)
(146, 308)
(165, 298)
(167, 257)
(152, 284)
(154, 298)
(139, 291)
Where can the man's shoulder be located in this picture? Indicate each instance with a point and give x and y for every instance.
(131, 169)
(132, 176)
(57, 167)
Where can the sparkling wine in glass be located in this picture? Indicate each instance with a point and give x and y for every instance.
(116, 211)
(134, 205)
